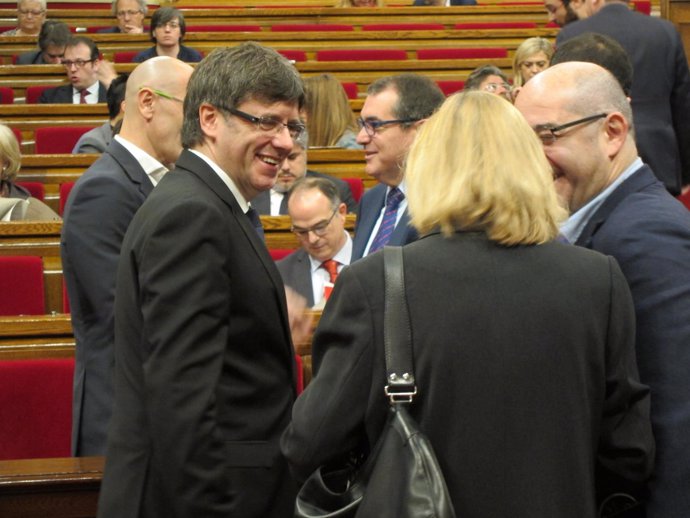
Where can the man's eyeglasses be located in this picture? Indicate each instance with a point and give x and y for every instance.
(79, 63)
(170, 25)
(319, 229)
(493, 87)
(371, 127)
(130, 12)
(164, 95)
(269, 124)
(33, 12)
(549, 134)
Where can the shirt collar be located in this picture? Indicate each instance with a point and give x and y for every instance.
(244, 205)
(343, 256)
(150, 165)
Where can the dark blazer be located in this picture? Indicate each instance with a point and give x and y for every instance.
(524, 361)
(660, 94)
(648, 232)
(33, 57)
(98, 212)
(204, 365)
(63, 95)
(369, 209)
(295, 269)
(262, 202)
(186, 54)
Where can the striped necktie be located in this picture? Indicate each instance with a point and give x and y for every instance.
(395, 196)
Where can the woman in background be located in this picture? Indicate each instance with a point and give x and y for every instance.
(523, 346)
(167, 30)
(330, 121)
(16, 203)
(30, 17)
(531, 57)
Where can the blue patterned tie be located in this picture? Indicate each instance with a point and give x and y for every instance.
(395, 196)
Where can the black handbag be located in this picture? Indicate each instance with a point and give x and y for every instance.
(401, 477)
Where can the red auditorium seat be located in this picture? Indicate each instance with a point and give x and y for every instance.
(35, 408)
(65, 189)
(311, 27)
(299, 369)
(356, 186)
(643, 6)
(294, 55)
(34, 92)
(350, 90)
(450, 87)
(361, 55)
(403, 27)
(58, 139)
(464, 53)
(65, 299)
(21, 286)
(17, 135)
(125, 56)
(496, 25)
(280, 253)
(685, 199)
(6, 95)
(223, 28)
(37, 189)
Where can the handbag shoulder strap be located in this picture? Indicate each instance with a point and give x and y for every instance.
(397, 333)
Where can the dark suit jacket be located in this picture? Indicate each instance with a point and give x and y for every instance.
(660, 88)
(98, 212)
(524, 361)
(63, 95)
(648, 232)
(186, 54)
(369, 209)
(33, 57)
(262, 202)
(204, 366)
(295, 269)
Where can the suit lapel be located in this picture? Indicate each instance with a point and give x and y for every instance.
(130, 166)
(369, 211)
(304, 275)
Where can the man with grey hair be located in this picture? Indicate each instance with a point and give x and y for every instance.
(294, 167)
(619, 208)
(204, 364)
(489, 78)
(130, 16)
(395, 107)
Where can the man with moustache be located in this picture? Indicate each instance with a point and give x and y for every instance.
(619, 208)
(393, 110)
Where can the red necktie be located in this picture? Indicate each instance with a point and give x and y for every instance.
(331, 267)
(82, 96)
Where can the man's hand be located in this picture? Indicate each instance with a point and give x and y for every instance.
(300, 320)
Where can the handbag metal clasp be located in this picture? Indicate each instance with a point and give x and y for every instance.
(401, 389)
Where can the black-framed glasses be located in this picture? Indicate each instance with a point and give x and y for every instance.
(319, 229)
(549, 134)
(79, 63)
(371, 127)
(269, 124)
(164, 95)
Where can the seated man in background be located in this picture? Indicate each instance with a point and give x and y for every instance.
(318, 221)
(96, 140)
(52, 39)
(82, 63)
(130, 16)
(294, 167)
(489, 78)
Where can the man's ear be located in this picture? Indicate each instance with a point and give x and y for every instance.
(617, 129)
(145, 102)
(209, 119)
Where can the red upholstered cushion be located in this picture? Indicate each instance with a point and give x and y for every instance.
(34, 92)
(496, 25)
(223, 28)
(17, 135)
(6, 95)
(643, 6)
(463, 53)
(403, 27)
(685, 199)
(450, 87)
(58, 139)
(295, 55)
(65, 189)
(21, 286)
(356, 186)
(361, 55)
(35, 408)
(311, 27)
(299, 368)
(125, 56)
(350, 90)
(37, 189)
(280, 253)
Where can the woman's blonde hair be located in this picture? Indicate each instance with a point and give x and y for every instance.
(526, 50)
(477, 165)
(348, 3)
(10, 156)
(328, 111)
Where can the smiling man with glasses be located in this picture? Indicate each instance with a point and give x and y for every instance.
(619, 208)
(394, 109)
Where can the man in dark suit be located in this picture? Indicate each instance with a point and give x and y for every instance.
(294, 167)
(130, 15)
(204, 364)
(318, 220)
(52, 39)
(82, 63)
(619, 208)
(660, 93)
(98, 212)
(393, 110)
